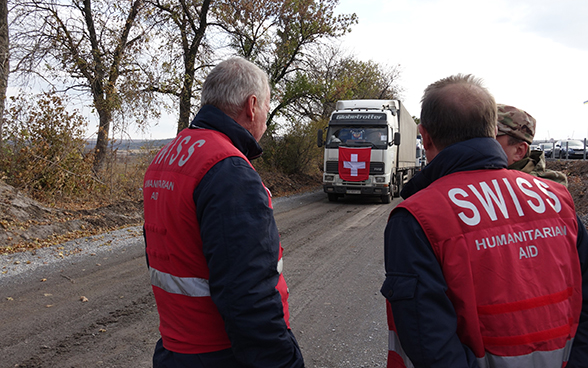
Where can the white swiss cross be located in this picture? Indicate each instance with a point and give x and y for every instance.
(354, 165)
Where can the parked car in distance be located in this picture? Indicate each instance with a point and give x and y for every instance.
(575, 149)
(547, 148)
(535, 147)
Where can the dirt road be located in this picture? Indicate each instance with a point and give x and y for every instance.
(94, 308)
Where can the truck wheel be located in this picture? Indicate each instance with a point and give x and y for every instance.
(386, 198)
(332, 197)
(399, 185)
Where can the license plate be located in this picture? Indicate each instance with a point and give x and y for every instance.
(353, 191)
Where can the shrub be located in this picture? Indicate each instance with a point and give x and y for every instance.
(45, 154)
(43, 148)
(124, 171)
(296, 152)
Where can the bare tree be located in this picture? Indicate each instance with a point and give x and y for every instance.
(182, 22)
(330, 75)
(250, 25)
(277, 34)
(86, 45)
(4, 57)
(326, 76)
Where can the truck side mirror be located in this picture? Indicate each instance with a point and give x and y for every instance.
(397, 138)
(319, 138)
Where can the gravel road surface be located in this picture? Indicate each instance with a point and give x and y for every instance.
(88, 303)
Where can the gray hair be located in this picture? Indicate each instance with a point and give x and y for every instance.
(458, 108)
(231, 82)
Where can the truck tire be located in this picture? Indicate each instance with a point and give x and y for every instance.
(387, 198)
(333, 197)
(399, 184)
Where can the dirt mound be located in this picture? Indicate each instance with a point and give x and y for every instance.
(281, 185)
(26, 224)
(577, 172)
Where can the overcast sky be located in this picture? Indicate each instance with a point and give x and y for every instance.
(532, 54)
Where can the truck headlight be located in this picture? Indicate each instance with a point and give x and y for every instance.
(329, 177)
(380, 179)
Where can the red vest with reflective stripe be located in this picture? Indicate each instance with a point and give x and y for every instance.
(189, 321)
(506, 242)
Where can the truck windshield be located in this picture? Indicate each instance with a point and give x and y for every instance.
(354, 136)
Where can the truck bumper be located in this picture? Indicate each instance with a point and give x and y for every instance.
(356, 190)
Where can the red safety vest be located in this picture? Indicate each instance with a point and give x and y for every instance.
(506, 242)
(189, 321)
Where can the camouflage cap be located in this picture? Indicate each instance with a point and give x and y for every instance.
(515, 123)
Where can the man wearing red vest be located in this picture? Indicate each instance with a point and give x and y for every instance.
(212, 244)
(485, 267)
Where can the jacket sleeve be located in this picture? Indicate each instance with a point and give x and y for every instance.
(579, 354)
(241, 246)
(425, 318)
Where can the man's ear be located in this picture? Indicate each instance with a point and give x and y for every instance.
(521, 151)
(426, 138)
(251, 107)
(428, 144)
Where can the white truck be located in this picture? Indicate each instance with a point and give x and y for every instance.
(371, 149)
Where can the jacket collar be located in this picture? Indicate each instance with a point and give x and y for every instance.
(211, 117)
(535, 162)
(473, 154)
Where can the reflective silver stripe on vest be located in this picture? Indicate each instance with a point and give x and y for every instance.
(553, 358)
(280, 266)
(189, 286)
(394, 345)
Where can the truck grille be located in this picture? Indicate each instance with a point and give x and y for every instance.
(376, 168)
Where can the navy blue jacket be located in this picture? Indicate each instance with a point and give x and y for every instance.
(240, 240)
(439, 345)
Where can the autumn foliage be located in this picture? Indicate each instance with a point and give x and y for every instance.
(44, 153)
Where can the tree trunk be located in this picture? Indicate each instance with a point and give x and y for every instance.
(190, 66)
(103, 85)
(101, 148)
(4, 69)
(186, 94)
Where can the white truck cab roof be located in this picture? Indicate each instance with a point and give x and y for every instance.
(367, 105)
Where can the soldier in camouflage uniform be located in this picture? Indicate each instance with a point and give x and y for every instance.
(516, 129)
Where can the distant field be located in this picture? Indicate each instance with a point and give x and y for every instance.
(131, 144)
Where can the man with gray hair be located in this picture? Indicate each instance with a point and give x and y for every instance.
(212, 244)
(516, 130)
(485, 267)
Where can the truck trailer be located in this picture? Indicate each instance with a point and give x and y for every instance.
(371, 149)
